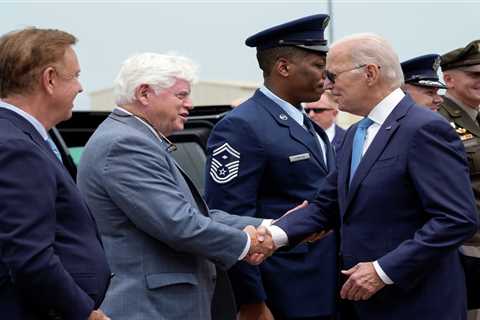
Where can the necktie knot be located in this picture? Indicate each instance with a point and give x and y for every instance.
(365, 123)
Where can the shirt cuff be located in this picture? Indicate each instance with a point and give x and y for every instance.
(386, 279)
(247, 247)
(279, 236)
(266, 223)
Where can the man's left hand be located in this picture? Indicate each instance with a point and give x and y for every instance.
(362, 283)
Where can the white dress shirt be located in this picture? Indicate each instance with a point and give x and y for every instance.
(330, 131)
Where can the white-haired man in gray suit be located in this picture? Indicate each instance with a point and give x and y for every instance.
(161, 240)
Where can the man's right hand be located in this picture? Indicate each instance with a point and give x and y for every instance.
(261, 245)
(255, 311)
(98, 315)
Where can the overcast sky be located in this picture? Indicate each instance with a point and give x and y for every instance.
(213, 32)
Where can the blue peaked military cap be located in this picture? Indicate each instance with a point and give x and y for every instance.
(422, 71)
(306, 33)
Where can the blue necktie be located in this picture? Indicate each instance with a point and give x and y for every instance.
(358, 142)
(54, 148)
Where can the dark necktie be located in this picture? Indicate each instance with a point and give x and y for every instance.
(308, 124)
(358, 142)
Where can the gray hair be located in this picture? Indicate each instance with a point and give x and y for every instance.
(374, 49)
(160, 71)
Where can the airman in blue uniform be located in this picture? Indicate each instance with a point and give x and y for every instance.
(264, 158)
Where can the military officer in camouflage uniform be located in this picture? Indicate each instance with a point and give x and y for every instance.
(461, 73)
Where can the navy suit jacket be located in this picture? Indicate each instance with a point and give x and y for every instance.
(338, 138)
(270, 181)
(52, 264)
(409, 206)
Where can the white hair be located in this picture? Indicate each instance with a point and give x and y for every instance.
(160, 71)
(374, 49)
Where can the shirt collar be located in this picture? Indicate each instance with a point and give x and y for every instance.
(31, 119)
(141, 120)
(330, 131)
(293, 112)
(383, 109)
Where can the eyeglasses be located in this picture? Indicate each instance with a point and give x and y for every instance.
(332, 76)
(317, 110)
(183, 95)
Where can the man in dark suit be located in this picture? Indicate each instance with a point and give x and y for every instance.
(52, 263)
(324, 113)
(421, 80)
(265, 157)
(401, 195)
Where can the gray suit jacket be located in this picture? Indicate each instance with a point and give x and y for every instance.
(160, 238)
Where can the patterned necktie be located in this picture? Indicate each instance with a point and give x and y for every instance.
(358, 142)
(54, 148)
(308, 124)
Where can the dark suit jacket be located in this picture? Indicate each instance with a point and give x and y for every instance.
(52, 264)
(270, 181)
(409, 206)
(338, 138)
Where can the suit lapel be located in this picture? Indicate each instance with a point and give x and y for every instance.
(345, 158)
(297, 132)
(383, 136)
(461, 118)
(32, 133)
(131, 121)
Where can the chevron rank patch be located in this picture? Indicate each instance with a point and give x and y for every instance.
(224, 165)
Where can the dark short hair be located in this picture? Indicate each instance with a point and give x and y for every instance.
(24, 54)
(267, 58)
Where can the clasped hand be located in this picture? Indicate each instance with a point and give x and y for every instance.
(261, 245)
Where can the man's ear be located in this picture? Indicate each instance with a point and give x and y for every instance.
(449, 79)
(48, 79)
(372, 73)
(283, 67)
(142, 93)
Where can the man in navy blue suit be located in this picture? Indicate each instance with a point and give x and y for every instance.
(266, 157)
(52, 263)
(401, 195)
(324, 113)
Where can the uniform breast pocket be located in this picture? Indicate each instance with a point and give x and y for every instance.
(473, 157)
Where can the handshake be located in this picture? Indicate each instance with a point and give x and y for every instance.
(261, 245)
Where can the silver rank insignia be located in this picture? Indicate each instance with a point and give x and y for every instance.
(225, 163)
